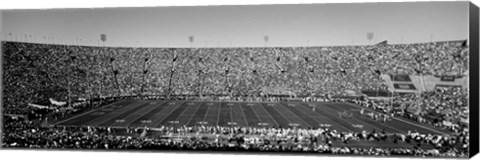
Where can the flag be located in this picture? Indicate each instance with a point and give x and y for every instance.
(306, 59)
(37, 106)
(57, 103)
(145, 71)
(112, 59)
(115, 72)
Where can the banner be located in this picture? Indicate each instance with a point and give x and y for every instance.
(37, 106)
(447, 78)
(404, 86)
(57, 103)
(401, 78)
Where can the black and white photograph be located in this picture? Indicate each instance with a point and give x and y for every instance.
(384, 79)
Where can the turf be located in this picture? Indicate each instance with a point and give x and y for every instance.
(154, 114)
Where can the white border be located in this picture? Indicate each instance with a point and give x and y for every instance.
(46, 4)
(78, 155)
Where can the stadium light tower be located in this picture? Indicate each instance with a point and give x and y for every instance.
(191, 39)
(370, 36)
(266, 38)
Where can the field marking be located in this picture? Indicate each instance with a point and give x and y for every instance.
(296, 116)
(140, 120)
(206, 113)
(176, 118)
(363, 121)
(311, 116)
(326, 118)
(102, 107)
(255, 114)
(218, 114)
(160, 121)
(231, 113)
(330, 114)
(99, 121)
(193, 115)
(243, 115)
(258, 117)
(153, 108)
(401, 120)
(270, 115)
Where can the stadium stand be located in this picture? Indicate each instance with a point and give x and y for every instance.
(90, 77)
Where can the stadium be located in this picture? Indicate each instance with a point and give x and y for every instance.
(178, 92)
(380, 100)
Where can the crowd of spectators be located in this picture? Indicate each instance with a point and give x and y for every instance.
(35, 72)
(23, 134)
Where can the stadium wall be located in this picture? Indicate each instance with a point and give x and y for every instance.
(424, 83)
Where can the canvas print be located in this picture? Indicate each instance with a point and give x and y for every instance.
(360, 79)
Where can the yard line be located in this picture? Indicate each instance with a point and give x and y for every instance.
(362, 121)
(231, 113)
(243, 114)
(218, 114)
(150, 115)
(259, 116)
(328, 113)
(108, 105)
(193, 115)
(106, 117)
(326, 118)
(304, 114)
(206, 113)
(401, 120)
(268, 113)
(252, 113)
(178, 117)
(124, 116)
(174, 115)
(296, 116)
(160, 121)
(150, 110)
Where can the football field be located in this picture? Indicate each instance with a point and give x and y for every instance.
(157, 113)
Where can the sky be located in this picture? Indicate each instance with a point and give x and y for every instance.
(242, 26)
